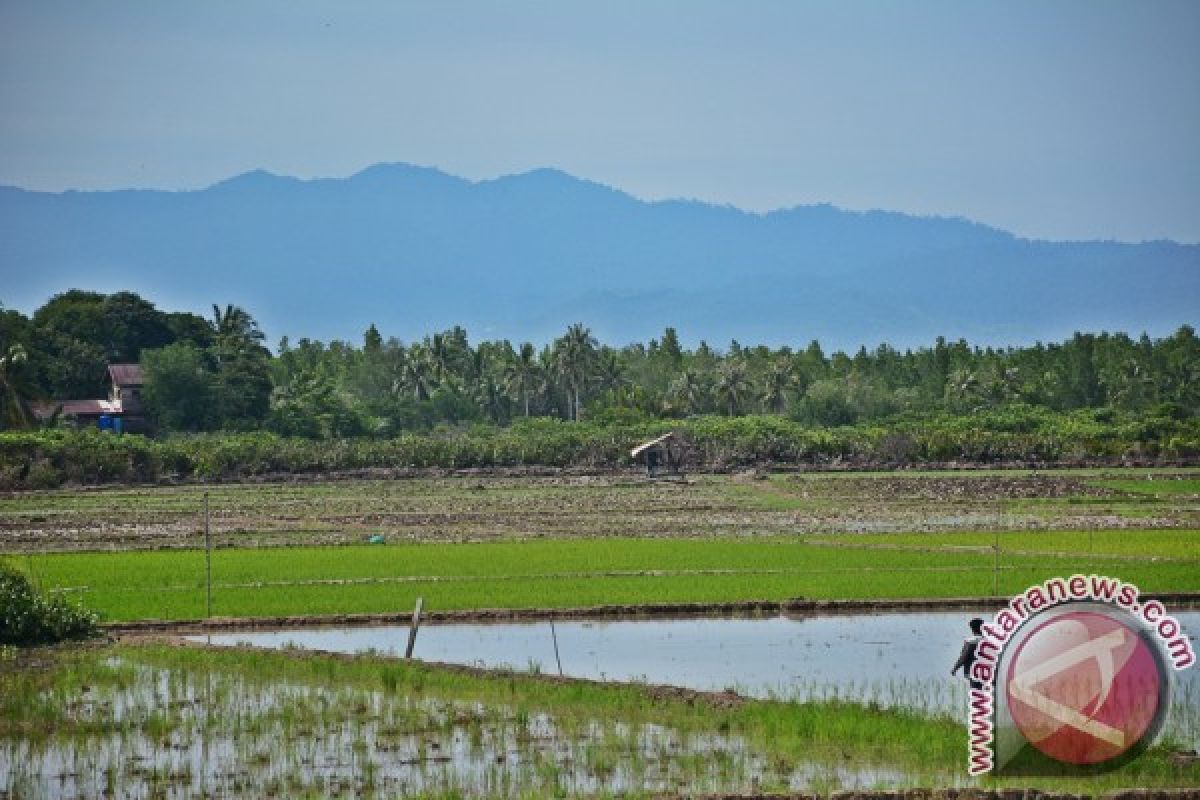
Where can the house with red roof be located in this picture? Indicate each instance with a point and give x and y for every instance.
(121, 411)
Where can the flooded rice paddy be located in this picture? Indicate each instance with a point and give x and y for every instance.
(789, 657)
(136, 730)
(893, 660)
(182, 723)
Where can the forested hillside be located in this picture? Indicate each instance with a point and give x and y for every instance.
(412, 249)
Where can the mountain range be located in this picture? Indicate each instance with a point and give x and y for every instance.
(414, 250)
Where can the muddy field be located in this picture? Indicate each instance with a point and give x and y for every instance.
(486, 508)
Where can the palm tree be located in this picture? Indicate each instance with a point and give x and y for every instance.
(733, 384)
(609, 372)
(776, 385)
(16, 412)
(490, 397)
(689, 391)
(235, 330)
(575, 353)
(440, 357)
(417, 373)
(521, 373)
(548, 385)
(477, 363)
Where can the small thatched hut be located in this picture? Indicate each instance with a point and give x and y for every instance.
(663, 451)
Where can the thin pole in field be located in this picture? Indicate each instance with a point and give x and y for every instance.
(29, 568)
(996, 565)
(554, 636)
(207, 559)
(412, 631)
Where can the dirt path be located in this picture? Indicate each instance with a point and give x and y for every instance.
(1177, 600)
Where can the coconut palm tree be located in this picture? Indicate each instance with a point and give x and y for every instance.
(689, 391)
(235, 330)
(491, 398)
(441, 359)
(522, 373)
(733, 384)
(478, 360)
(417, 373)
(574, 359)
(609, 372)
(778, 381)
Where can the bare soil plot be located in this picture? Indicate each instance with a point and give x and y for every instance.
(488, 508)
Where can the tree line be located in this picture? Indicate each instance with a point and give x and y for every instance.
(215, 373)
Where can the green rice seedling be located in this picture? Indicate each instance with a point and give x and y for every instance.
(304, 713)
(588, 572)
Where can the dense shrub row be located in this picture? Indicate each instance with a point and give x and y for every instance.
(29, 617)
(47, 459)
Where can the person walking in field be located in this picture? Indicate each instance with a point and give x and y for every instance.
(966, 656)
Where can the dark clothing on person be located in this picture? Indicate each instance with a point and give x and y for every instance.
(966, 657)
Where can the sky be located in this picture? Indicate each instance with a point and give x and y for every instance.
(1048, 118)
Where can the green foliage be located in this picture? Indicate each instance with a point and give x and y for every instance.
(180, 390)
(825, 403)
(1017, 433)
(243, 389)
(72, 338)
(15, 410)
(383, 387)
(77, 333)
(311, 405)
(28, 617)
(69, 368)
(43, 459)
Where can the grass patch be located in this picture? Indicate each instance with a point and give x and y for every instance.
(773, 494)
(559, 573)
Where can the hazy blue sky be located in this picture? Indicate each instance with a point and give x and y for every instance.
(1051, 119)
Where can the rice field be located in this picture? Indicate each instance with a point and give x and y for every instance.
(164, 720)
(387, 578)
(176, 722)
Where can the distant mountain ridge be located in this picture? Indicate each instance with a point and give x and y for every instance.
(414, 250)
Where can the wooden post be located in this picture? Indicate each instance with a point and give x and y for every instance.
(554, 636)
(412, 631)
(207, 560)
